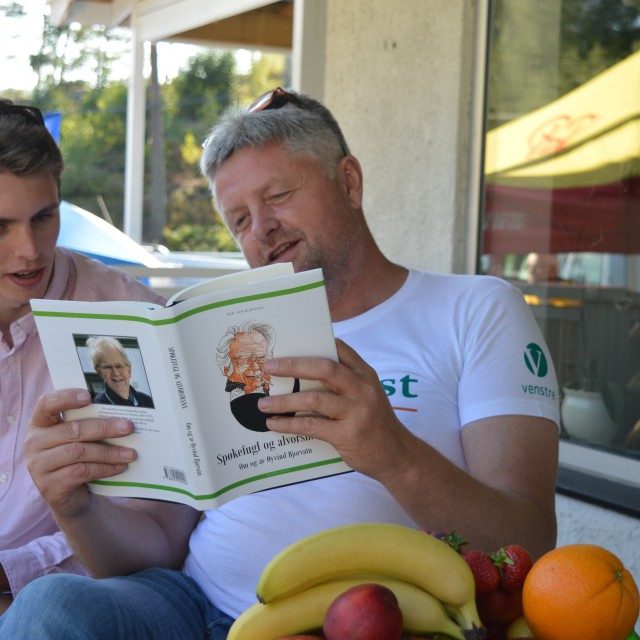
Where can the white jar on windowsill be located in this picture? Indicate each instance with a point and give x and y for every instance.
(585, 416)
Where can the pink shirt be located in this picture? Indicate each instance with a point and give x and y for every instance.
(30, 543)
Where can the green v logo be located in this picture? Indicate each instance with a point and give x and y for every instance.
(535, 360)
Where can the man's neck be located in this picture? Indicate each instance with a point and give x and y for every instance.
(371, 285)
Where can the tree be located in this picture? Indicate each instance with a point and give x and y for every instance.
(582, 38)
(178, 207)
(67, 49)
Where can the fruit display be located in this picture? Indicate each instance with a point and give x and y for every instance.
(499, 578)
(384, 581)
(580, 592)
(431, 581)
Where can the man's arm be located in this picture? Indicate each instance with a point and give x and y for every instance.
(110, 538)
(507, 495)
(38, 557)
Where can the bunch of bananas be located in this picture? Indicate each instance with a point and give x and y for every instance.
(434, 585)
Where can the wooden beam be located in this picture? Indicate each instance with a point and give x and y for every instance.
(59, 11)
(256, 29)
(161, 20)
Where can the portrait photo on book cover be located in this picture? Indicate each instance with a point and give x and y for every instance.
(241, 354)
(114, 370)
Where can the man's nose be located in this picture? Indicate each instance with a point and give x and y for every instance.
(26, 245)
(263, 221)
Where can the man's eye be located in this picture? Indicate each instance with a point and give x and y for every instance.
(279, 197)
(43, 217)
(240, 222)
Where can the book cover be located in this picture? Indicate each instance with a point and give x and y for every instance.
(189, 376)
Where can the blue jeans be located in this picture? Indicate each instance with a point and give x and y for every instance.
(156, 604)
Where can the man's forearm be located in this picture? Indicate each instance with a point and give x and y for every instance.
(118, 539)
(498, 501)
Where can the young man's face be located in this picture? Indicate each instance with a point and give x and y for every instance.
(29, 226)
(115, 371)
(281, 207)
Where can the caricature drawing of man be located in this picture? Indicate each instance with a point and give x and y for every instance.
(241, 354)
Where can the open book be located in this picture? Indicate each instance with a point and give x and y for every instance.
(189, 376)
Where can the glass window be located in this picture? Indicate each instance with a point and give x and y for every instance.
(561, 199)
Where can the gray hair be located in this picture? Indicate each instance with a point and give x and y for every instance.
(97, 344)
(26, 148)
(303, 126)
(222, 351)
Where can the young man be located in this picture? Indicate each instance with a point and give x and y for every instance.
(32, 267)
(433, 405)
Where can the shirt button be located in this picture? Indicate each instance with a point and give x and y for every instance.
(3, 478)
(11, 419)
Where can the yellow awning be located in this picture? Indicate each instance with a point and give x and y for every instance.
(590, 136)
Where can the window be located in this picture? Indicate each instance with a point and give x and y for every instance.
(561, 212)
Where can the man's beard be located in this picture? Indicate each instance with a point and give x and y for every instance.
(335, 262)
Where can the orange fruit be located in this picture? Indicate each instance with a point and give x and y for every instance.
(580, 592)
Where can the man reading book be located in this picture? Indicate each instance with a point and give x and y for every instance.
(433, 404)
(32, 267)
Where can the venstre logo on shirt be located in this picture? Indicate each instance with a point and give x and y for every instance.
(536, 362)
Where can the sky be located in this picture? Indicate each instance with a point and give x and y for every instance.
(21, 37)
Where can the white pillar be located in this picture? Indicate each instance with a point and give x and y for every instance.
(308, 50)
(134, 160)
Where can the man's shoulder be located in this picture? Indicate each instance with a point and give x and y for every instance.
(464, 284)
(95, 280)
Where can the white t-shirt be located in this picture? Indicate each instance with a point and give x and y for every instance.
(448, 350)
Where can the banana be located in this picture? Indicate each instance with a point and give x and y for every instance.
(305, 611)
(384, 549)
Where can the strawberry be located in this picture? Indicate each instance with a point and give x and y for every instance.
(499, 607)
(452, 538)
(485, 573)
(514, 563)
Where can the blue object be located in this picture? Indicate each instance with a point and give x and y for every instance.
(89, 234)
(52, 122)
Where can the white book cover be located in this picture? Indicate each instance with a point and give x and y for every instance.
(199, 436)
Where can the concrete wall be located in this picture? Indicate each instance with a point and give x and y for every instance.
(398, 76)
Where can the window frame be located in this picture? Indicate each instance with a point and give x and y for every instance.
(587, 473)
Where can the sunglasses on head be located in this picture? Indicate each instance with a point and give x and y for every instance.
(278, 98)
(30, 115)
(274, 99)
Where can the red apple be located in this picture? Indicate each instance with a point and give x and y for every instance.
(366, 612)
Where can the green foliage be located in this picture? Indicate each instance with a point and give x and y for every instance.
(93, 127)
(582, 38)
(67, 49)
(199, 237)
(14, 10)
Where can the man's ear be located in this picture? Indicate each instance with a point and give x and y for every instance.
(350, 174)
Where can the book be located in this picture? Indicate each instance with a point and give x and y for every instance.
(189, 376)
